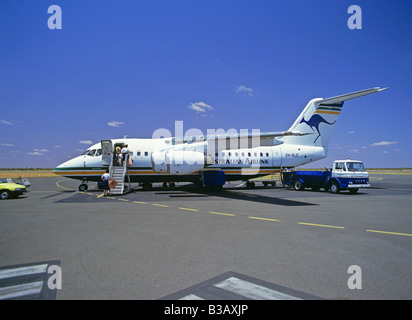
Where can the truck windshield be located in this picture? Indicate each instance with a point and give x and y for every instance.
(355, 166)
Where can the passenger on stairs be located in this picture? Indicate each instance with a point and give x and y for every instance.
(125, 151)
(118, 155)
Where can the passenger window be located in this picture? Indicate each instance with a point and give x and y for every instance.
(243, 154)
(230, 154)
(138, 153)
(267, 154)
(236, 154)
(248, 154)
(261, 154)
(146, 153)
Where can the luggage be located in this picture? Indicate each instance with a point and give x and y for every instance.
(112, 183)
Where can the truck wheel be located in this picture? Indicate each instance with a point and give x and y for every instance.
(83, 187)
(334, 187)
(298, 186)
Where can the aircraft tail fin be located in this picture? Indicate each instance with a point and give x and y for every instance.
(319, 117)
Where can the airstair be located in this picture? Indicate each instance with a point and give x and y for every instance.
(119, 174)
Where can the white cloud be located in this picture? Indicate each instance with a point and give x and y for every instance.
(57, 146)
(115, 123)
(354, 150)
(35, 153)
(6, 122)
(7, 145)
(40, 150)
(245, 90)
(86, 142)
(200, 107)
(383, 143)
(351, 132)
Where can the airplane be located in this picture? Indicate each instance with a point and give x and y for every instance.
(238, 156)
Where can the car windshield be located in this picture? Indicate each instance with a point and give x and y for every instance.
(355, 166)
(3, 181)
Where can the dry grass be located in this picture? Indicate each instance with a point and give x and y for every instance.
(15, 173)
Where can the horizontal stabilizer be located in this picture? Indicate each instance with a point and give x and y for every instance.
(348, 96)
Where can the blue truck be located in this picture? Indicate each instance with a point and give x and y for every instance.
(345, 175)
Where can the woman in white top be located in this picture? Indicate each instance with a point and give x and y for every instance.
(105, 178)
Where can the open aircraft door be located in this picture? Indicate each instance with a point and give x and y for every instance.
(107, 152)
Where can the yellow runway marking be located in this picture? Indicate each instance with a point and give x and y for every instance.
(188, 209)
(100, 195)
(139, 202)
(58, 184)
(222, 214)
(122, 199)
(264, 219)
(321, 225)
(395, 233)
(159, 205)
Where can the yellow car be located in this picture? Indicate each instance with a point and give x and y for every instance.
(8, 190)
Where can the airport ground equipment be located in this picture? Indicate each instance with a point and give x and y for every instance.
(265, 180)
(344, 175)
(212, 179)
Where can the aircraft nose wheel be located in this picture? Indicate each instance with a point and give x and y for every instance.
(83, 187)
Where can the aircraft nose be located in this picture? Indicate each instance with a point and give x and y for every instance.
(57, 170)
(72, 163)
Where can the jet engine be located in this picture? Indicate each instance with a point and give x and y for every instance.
(177, 162)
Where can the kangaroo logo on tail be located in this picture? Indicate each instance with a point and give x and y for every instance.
(314, 122)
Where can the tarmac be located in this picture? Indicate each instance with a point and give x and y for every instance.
(185, 243)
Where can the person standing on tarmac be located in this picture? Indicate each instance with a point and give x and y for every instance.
(105, 178)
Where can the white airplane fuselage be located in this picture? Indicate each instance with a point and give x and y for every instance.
(237, 164)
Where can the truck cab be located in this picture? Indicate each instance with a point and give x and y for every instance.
(345, 175)
(351, 175)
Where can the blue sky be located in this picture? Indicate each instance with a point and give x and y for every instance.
(121, 68)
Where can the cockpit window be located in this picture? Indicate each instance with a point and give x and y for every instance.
(91, 153)
(98, 152)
